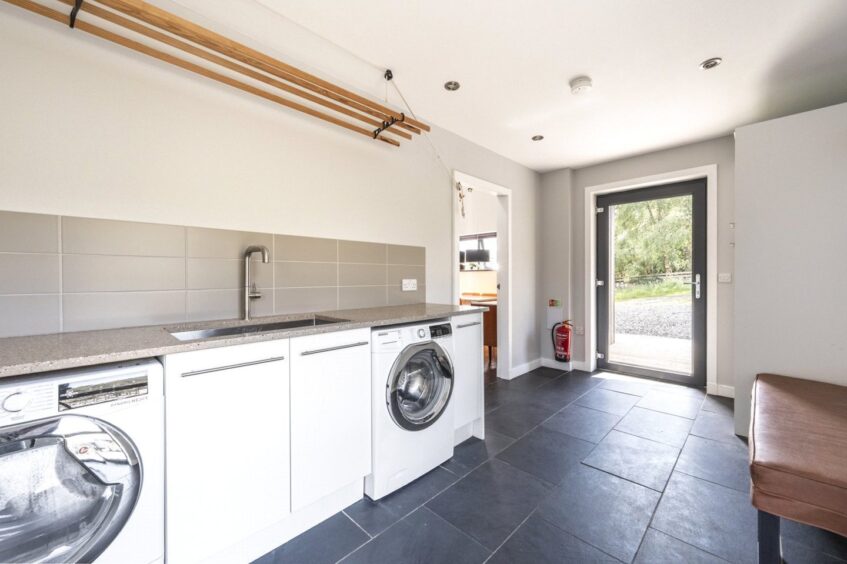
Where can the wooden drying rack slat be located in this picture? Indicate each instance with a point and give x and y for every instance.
(226, 63)
(224, 46)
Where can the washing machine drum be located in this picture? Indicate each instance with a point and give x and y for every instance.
(69, 484)
(419, 386)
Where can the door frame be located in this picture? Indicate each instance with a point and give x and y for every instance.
(696, 190)
(504, 254)
(710, 173)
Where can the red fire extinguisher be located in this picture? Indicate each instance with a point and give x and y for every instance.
(561, 335)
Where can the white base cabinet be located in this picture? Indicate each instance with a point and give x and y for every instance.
(330, 413)
(468, 368)
(227, 446)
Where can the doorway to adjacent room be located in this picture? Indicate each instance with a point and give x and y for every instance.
(481, 229)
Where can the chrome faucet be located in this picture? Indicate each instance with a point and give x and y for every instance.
(250, 291)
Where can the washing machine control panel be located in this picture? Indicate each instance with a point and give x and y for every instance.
(25, 403)
(440, 330)
(16, 401)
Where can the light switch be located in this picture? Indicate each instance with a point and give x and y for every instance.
(725, 277)
(409, 284)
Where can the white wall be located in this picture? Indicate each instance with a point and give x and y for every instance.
(481, 210)
(554, 207)
(89, 129)
(791, 209)
(554, 280)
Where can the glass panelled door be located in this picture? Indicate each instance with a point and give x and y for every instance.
(651, 282)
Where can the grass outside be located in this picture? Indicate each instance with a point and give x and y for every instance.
(652, 290)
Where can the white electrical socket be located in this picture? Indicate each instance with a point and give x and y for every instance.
(579, 330)
(725, 277)
(409, 284)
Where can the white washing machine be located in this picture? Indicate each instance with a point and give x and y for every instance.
(412, 414)
(82, 466)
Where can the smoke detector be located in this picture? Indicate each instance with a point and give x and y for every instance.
(711, 63)
(580, 85)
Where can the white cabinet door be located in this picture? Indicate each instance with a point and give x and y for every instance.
(330, 413)
(227, 446)
(469, 377)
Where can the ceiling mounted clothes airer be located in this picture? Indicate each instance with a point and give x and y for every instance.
(147, 29)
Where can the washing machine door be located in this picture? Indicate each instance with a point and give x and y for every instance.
(69, 484)
(419, 386)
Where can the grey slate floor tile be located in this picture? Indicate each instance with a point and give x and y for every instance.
(490, 502)
(718, 426)
(546, 454)
(539, 542)
(608, 512)
(718, 404)
(325, 543)
(515, 419)
(473, 452)
(608, 401)
(497, 396)
(376, 516)
(675, 388)
(796, 553)
(681, 404)
(632, 386)
(421, 538)
(656, 426)
(714, 518)
(560, 392)
(724, 463)
(639, 460)
(531, 380)
(814, 538)
(659, 548)
(582, 422)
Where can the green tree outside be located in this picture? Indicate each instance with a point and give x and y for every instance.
(652, 240)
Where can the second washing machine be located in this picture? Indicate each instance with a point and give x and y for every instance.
(412, 384)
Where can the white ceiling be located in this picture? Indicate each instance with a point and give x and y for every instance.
(514, 59)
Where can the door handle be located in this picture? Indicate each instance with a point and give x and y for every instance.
(463, 325)
(232, 366)
(696, 284)
(336, 348)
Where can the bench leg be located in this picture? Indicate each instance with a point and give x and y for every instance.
(769, 544)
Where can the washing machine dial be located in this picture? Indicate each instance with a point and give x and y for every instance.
(16, 402)
(421, 332)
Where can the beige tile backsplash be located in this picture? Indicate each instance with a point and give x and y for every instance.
(100, 273)
(72, 274)
(123, 238)
(28, 233)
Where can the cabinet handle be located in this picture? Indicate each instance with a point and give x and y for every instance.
(232, 366)
(463, 325)
(339, 347)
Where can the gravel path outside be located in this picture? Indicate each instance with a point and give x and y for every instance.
(659, 317)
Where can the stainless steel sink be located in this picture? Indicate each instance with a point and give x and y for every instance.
(198, 334)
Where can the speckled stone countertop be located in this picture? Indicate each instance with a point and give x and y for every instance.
(42, 353)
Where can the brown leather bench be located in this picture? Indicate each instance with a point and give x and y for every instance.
(798, 457)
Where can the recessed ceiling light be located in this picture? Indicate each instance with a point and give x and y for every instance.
(537, 137)
(580, 84)
(711, 63)
(451, 85)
